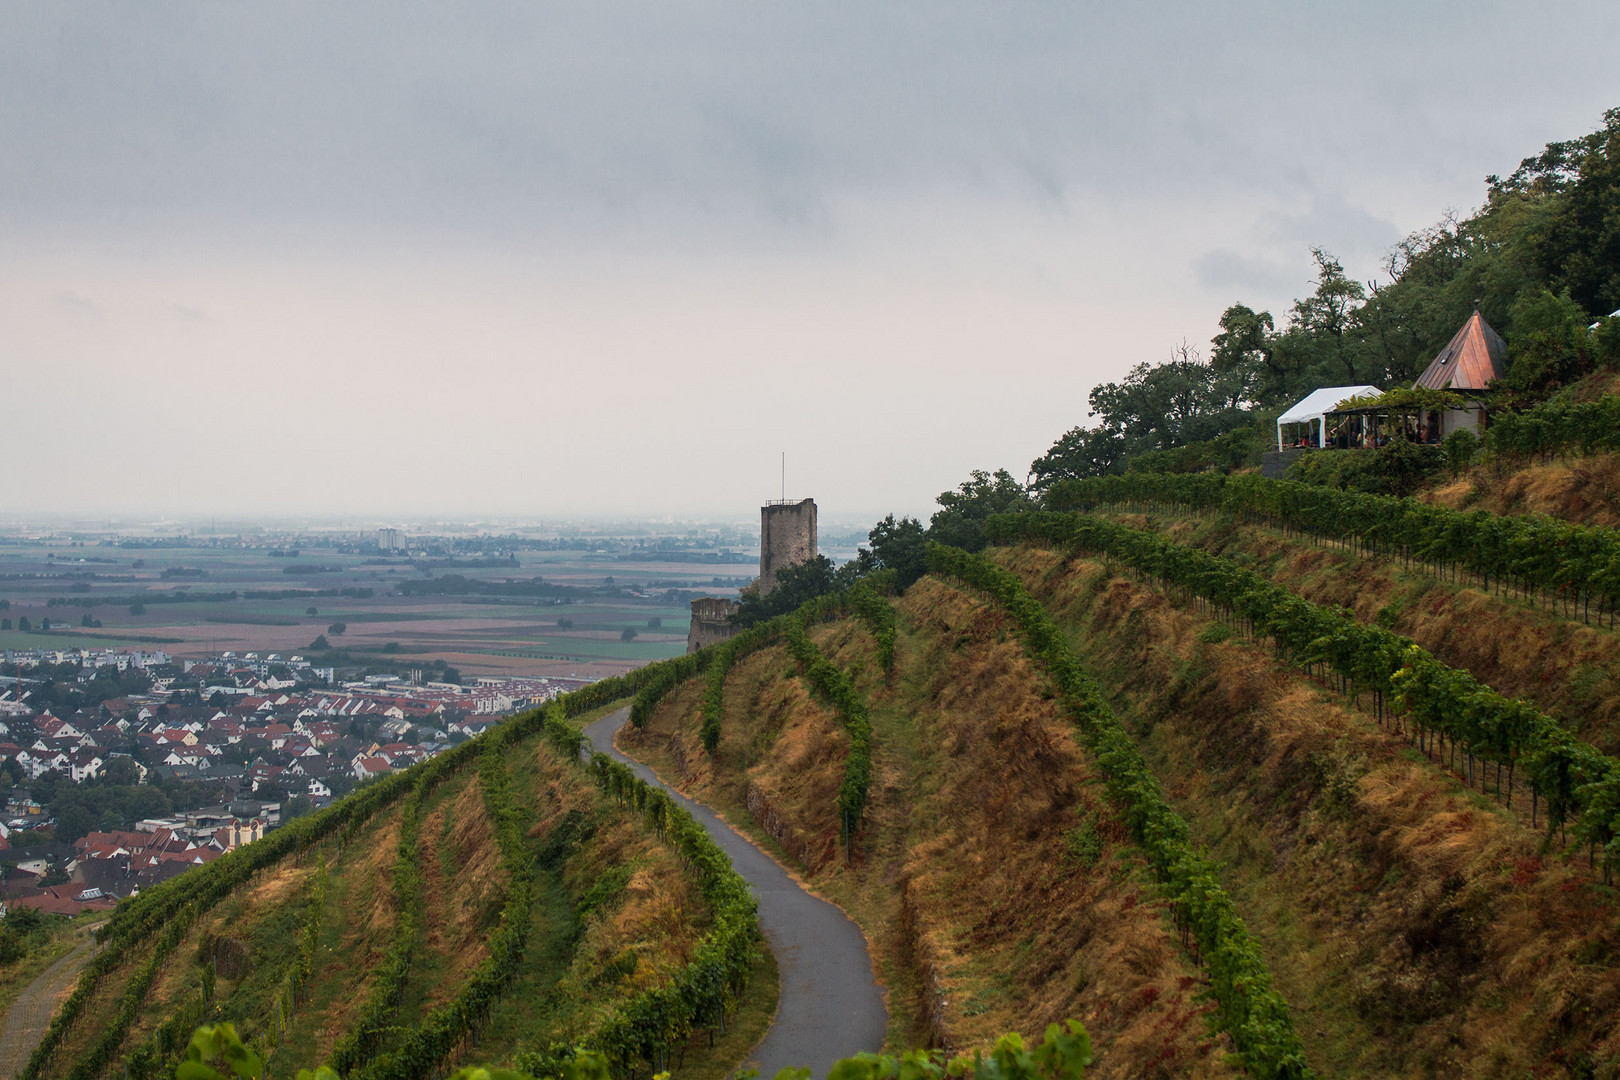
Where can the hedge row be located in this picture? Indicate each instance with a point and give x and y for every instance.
(669, 675)
(1247, 1005)
(1444, 703)
(1572, 564)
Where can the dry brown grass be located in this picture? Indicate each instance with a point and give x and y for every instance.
(234, 920)
(1569, 669)
(972, 909)
(458, 910)
(1416, 929)
(1023, 933)
(781, 754)
(366, 878)
(1580, 489)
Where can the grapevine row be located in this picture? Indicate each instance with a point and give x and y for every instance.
(723, 657)
(449, 1024)
(1556, 427)
(1572, 564)
(1445, 705)
(644, 1028)
(1248, 1006)
(188, 895)
(878, 616)
(388, 986)
(838, 689)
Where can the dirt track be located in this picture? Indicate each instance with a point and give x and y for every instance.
(31, 1013)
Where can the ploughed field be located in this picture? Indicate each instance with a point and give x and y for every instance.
(473, 632)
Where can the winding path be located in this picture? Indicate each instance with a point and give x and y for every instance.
(31, 1013)
(830, 1006)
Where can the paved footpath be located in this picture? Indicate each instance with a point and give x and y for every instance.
(830, 1006)
(31, 1013)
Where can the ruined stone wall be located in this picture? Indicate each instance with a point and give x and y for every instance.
(787, 536)
(711, 622)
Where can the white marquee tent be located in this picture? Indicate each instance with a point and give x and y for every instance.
(1317, 404)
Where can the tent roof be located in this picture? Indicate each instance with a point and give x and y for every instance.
(1322, 401)
(1473, 357)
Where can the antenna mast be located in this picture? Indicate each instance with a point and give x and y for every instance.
(784, 476)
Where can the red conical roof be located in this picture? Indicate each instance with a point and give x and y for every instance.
(1474, 357)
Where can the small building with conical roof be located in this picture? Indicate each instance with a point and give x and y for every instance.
(1475, 357)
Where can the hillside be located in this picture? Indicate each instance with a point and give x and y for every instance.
(1184, 770)
(991, 876)
(1423, 908)
(500, 897)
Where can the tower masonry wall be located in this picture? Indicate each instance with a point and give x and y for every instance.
(787, 536)
(711, 622)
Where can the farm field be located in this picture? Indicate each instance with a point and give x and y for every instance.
(284, 603)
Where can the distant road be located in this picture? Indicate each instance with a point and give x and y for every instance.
(830, 1006)
(31, 1013)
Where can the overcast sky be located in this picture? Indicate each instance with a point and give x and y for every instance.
(615, 258)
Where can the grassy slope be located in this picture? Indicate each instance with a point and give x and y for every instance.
(1414, 926)
(17, 975)
(1581, 489)
(635, 933)
(978, 920)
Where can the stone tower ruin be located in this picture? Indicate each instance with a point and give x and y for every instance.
(787, 537)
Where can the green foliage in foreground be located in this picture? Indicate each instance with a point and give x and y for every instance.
(1248, 1006)
(216, 1053)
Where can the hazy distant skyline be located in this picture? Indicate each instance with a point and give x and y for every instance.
(534, 260)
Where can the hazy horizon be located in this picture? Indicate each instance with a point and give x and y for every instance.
(555, 260)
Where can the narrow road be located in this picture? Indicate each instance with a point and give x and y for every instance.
(830, 1006)
(31, 1013)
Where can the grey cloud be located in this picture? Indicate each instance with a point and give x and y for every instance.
(546, 119)
(1350, 232)
(1231, 274)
